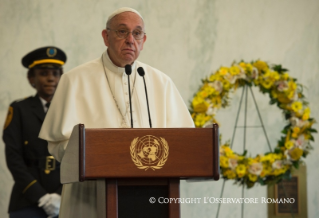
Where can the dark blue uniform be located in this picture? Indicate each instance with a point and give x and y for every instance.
(27, 156)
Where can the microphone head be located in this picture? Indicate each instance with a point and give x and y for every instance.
(128, 69)
(140, 71)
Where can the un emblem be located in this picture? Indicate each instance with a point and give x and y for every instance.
(149, 152)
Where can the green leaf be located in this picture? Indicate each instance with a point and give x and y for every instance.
(273, 101)
(277, 150)
(260, 181)
(312, 130)
(311, 138)
(296, 164)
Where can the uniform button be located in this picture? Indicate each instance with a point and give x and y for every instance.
(26, 142)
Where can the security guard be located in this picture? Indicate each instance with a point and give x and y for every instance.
(37, 189)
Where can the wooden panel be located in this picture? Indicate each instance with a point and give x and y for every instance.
(111, 199)
(107, 153)
(142, 182)
(81, 153)
(174, 208)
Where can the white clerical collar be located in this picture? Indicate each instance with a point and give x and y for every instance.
(112, 67)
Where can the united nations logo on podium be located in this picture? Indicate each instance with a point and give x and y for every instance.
(149, 152)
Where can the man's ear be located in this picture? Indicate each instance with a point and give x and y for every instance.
(31, 81)
(105, 37)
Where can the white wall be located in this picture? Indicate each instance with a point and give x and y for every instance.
(187, 40)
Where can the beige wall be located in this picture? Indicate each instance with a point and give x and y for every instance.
(187, 40)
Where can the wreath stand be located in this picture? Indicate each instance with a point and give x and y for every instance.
(245, 92)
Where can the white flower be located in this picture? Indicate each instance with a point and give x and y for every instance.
(277, 164)
(232, 163)
(254, 73)
(282, 86)
(301, 142)
(242, 74)
(232, 79)
(211, 110)
(295, 121)
(217, 85)
(255, 168)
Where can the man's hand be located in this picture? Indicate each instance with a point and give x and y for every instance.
(50, 204)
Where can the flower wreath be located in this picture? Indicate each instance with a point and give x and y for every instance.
(286, 93)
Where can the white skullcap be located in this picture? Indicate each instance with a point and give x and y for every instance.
(124, 9)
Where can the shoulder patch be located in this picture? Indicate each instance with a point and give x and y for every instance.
(9, 117)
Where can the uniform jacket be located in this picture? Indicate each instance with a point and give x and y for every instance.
(26, 154)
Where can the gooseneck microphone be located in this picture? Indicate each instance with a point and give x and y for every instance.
(141, 72)
(128, 71)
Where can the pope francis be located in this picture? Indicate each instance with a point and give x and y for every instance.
(96, 94)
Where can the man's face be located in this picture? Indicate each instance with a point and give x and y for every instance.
(123, 51)
(45, 81)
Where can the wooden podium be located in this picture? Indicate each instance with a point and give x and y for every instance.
(157, 157)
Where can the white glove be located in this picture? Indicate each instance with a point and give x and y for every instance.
(50, 204)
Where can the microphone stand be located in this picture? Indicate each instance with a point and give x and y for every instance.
(128, 71)
(141, 72)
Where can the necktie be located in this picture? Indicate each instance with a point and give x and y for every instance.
(48, 104)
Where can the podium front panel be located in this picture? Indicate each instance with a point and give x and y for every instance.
(149, 153)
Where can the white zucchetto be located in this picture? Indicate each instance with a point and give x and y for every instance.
(124, 9)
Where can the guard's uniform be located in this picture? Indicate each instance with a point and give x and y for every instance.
(35, 172)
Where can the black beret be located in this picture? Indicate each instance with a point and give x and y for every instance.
(49, 56)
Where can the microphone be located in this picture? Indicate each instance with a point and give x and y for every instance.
(141, 72)
(128, 71)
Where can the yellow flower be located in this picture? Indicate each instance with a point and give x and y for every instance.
(226, 85)
(201, 119)
(230, 174)
(296, 153)
(277, 172)
(223, 161)
(289, 144)
(266, 170)
(285, 76)
(199, 104)
(296, 106)
(228, 151)
(261, 65)
(234, 70)
(274, 93)
(292, 85)
(252, 177)
(296, 131)
(269, 157)
(223, 71)
(306, 114)
(216, 101)
(266, 84)
(241, 170)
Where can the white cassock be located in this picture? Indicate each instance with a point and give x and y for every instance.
(84, 96)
